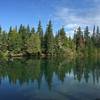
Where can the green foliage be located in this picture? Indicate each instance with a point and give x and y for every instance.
(25, 40)
(13, 37)
(49, 39)
(79, 40)
(33, 44)
(61, 42)
(40, 33)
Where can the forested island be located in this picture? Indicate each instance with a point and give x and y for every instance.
(28, 41)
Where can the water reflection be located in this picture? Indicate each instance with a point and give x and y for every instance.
(26, 71)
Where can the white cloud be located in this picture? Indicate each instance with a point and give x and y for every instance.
(72, 18)
(71, 26)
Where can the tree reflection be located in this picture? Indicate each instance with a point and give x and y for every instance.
(30, 70)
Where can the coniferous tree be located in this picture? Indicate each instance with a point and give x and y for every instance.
(33, 43)
(28, 31)
(26, 41)
(57, 44)
(4, 38)
(0, 35)
(94, 32)
(40, 32)
(32, 31)
(13, 40)
(93, 37)
(86, 36)
(79, 39)
(62, 40)
(98, 37)
(49, 39)
(24, 36)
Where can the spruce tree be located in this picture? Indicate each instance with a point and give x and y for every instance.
(98, 37)
(49, 39)
(40, 33)
(86, 36)
(93, 37)
(79, 39)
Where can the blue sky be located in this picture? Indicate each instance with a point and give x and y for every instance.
(67, 13)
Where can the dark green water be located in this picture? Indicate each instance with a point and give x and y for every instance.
(50, 79)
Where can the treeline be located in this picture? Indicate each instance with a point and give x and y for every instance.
(87, 42)
(29, 41)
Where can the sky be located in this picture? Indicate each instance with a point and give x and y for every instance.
(67, 13)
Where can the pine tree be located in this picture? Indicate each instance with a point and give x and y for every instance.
(63, 37)
(40, 33)
(28, 31)
(98, 37)
(12, 36)
(79, 39)
(94, 33)
(86, 36)
(32, 31)
(49, 39)
(62, 41)
(93, 37)
(24, 35)
(0, 35)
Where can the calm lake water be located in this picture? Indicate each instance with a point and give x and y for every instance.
(50, 79)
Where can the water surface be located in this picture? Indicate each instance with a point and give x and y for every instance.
(50, 79)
